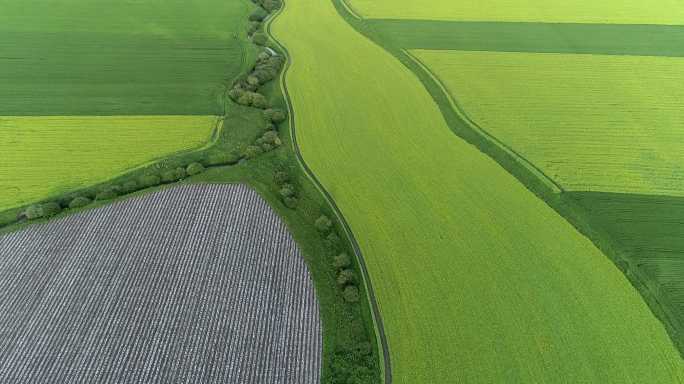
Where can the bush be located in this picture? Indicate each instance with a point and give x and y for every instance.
(129, 186)
(287, 190)
(350, 294)
(236, 93)
(323, 224)
(253, 80)
(275, 115)
(281, 177)
(195, 168)
(34, 212)
(106, 194)
(259, 38)
(258, 15)
(345, 277)
(147, 181)
(51, 209)
(222, 158)
(252, 151)
(78, 202)
(263, 56)
(291, 202)
(342, 261)
(253, 27)
(37, 211)
(271, 139)
(259, 101)
(332, 241)
(249, 98)
(168, 176)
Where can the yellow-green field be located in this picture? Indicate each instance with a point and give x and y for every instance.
(590, 122)
(550, 11)
(478, 281)
(49, 154)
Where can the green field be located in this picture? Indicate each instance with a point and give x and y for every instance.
(648, 233)
(46, 155)
(132, 81)
(560, 11)
(590, 122)
(477, 279)
(148, 57)
(607, 39)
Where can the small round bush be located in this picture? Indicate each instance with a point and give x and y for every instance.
(287, 190)
(346, 276)
(258, 15)
(181, 173)
(253, 27)
(259, 38)
(323, 224)
(129, 186)
(78, 202)
(52, 208)
(34, 212)
(259, 101)
(252, 80)
(253, 151)
(195, 168)
(236, 93)
(276, 115)
(168, 176)
(291, 202)
(281, 177)
(350, 294)
(147, 181)
(106, 194)
(342, 261)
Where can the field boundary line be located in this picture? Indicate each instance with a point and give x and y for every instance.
(529, 175)
(381, 337)
(460, 111)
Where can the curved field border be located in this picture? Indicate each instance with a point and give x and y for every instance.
(531, 176)
(377, 318)
(562, 202)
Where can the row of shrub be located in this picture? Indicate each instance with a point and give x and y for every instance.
(244, 90)
(108, 192)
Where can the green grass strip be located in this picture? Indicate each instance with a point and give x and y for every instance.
(606, 39)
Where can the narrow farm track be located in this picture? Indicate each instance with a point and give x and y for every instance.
(478, 280)
(195, 284)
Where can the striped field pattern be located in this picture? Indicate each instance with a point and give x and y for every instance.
(195, 284)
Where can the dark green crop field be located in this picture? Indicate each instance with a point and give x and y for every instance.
(648, 233)
(606, 39)
(80, 57)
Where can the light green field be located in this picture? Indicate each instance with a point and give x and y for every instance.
(477, 280)
(45, 155)
(550, 11)
(590, 122)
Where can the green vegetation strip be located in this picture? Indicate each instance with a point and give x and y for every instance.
(383, 347)
(606, 39)
(477, 279)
